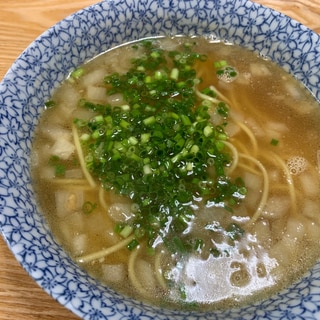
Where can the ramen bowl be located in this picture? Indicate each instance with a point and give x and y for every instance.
(46, 63)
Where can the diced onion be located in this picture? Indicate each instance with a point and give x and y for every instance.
(79, 243)
(145, 273)
(276, 207)
(68, 202)
(259, 70)
(96, 93)
(62, 148)
(309, 184)
(93, 78)
(114, 273)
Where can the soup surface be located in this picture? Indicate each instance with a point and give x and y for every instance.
(183, 172)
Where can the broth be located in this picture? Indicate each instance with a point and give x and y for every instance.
(220, 251)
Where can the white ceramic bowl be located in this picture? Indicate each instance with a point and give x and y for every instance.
(48, 60)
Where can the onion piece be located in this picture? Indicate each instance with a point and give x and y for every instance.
(114, 273)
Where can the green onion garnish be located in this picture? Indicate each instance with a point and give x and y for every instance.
(158, 150)
(88, 207)
(274, 142)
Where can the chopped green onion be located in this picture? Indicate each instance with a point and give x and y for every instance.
(222, 109)
(174, 74)
(220, 64)
(194, 149)
(126, 231)
(157, 147)
(77, 73)
(155, 54)
(133, 244)
(125, 107)
(208, 130)
(148, 79)
(147, 169)
(133, 140)
(145, 137)
(50, 104)
(85, 137)
(274, 142)
(150, 120)
(88, 207)
(224, 71)
(60, 170)
(59, 166)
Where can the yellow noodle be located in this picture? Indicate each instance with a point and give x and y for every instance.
(74, 184)
(235, 156)
(249, 169)
(220, 95)
(234, 102)
(158, 270)
(105, 252)
(241, 98)
(132, 274)
(77, 187)
(290, 183)
(81, 157)
(69, 181)
(250, 135)
(200, 70)
(265, 191)
(242, 148)
(206, 97)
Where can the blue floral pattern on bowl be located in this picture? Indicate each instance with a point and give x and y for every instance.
(47, 61)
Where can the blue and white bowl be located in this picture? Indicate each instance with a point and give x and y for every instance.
(47, 61)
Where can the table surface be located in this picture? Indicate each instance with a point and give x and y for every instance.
(21, 21)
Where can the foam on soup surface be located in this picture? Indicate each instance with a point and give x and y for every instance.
(183, 172)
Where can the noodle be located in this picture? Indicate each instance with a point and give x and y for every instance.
(158, 270)
(206, 97)
(102, 199)
(132, 274)
(290, 183)
(81, 157)
(220, 95)
(105, 252)
(80, 182)
(250, 135)
(265, 190)
(235, 156)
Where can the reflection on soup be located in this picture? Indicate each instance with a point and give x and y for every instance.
(183, 172)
